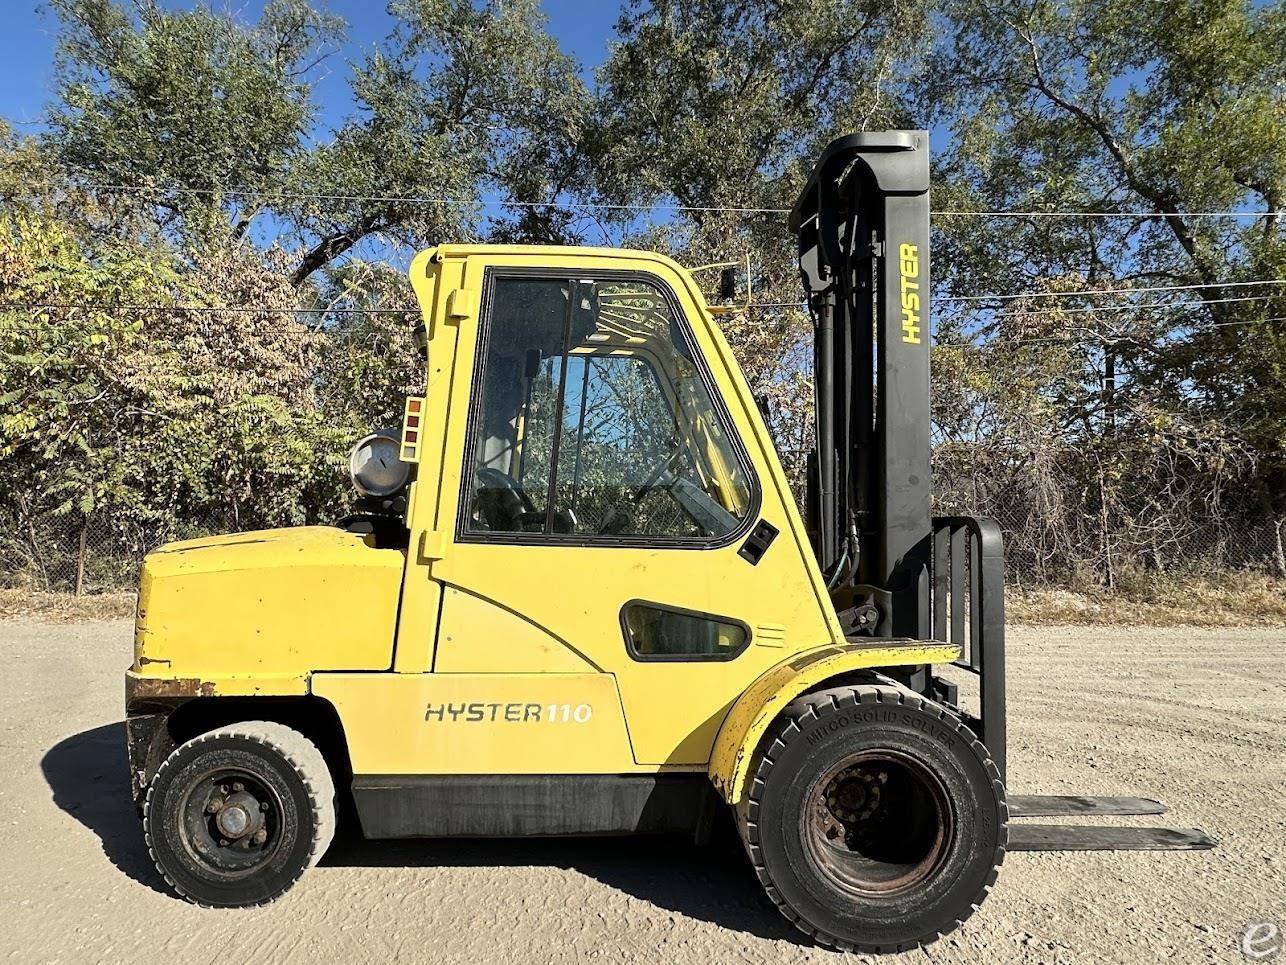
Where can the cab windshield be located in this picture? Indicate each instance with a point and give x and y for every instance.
(595, 419)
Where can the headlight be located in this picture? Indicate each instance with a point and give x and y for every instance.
(375, 466)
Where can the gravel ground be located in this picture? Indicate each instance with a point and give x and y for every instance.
(1194, 717)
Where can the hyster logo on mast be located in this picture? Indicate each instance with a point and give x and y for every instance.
(909, 267)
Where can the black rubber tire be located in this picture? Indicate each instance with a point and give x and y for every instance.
(823, 728)
(275, 754)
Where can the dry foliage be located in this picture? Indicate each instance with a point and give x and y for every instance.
(21, 604)
(1240, 599)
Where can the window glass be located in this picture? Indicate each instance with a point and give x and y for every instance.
(514, 434)
(595, 421)
(658, 633)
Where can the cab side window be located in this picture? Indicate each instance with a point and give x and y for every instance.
(591, 419)
(656, 632)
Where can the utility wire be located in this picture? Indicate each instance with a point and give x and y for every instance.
(1245, 321)
(1099, 336)
(245, 309)
(1110, 214)
(604, 206)
(1097, 308)
(1082, 333)
(238, 309)
(1096, 292)
(1183, 305)
(415, 199)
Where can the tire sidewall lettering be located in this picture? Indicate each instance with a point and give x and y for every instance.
(881, 714)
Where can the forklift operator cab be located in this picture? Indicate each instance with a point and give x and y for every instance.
(609, 525)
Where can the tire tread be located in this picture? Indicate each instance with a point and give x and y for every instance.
(829, 701)
(301, 754)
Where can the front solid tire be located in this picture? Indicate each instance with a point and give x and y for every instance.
(233, 817)
(876, 821)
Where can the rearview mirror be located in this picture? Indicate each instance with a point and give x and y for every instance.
(728, 283)
(734, 284)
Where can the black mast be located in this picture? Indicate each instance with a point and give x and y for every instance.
(863, 227)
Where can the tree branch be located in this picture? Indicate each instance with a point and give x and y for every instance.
(334, 245)
(1162, 199)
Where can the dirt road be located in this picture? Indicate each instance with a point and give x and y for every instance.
(1195, 717)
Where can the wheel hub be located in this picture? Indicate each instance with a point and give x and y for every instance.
(239, 815)
(231, 822)
(854, 794)
(878, 823)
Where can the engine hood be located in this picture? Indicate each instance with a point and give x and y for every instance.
(274, 602)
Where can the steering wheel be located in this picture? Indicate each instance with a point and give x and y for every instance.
(501, 501)
(618, 513)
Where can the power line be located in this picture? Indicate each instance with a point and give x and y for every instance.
(237, 309)
(415, 199)
(605, 206)
(1085, 333)
(1097, 308)
(1184, 305)
(1096, 292)
(1245, 321)
(1111, 214)
(1100, 336)
(250, 310)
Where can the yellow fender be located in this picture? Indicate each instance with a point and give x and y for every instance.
(761, 702)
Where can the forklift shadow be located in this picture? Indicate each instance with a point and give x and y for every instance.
(89, 776)
(710, 883)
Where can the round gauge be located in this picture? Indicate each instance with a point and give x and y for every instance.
(375, 465)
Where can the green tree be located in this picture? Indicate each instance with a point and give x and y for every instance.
(462, 100)
(215, 119)
(151, 388)
(186, 103)
(1116, 107)
(726, 103)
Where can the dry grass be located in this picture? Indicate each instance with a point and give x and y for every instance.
(1230, 600)
(1225, 600)
(66, 607)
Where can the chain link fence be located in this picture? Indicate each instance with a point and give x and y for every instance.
(63, 554)
(1043, 547)
(1066, 539)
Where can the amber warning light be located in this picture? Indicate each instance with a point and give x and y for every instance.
(411, 429)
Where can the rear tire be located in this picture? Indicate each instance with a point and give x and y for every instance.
(876, 820)
(235, 816)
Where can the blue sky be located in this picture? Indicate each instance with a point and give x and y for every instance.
(582, 27)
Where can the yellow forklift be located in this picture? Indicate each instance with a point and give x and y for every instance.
(577, 596)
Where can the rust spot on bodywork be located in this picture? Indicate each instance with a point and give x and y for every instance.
(148, 688)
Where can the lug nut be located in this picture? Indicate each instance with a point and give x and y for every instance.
(238, 786)
(260, 836)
